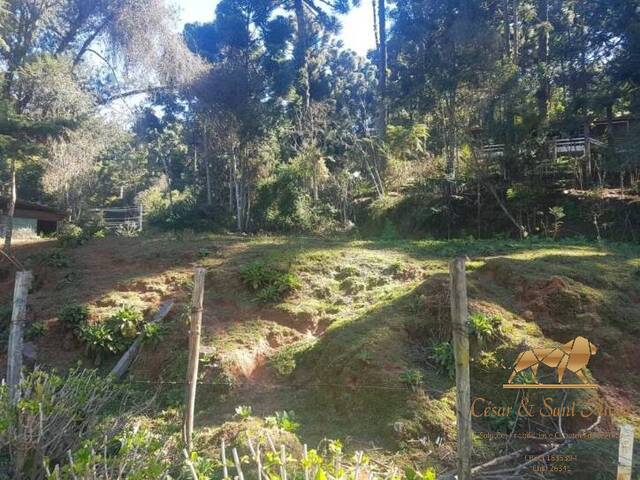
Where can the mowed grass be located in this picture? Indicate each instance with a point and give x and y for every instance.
(365, 312)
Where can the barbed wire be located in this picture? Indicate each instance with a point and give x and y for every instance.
(281, 386)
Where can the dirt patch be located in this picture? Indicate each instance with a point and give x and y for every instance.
(557, 306)
(500, 272)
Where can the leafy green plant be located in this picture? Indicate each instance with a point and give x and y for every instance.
(268, 281)
(128, 229)
(558, 214)
(485, 328)
(73, 315)
(411, 474)
(36, 330)
(100, 339)
(58, 259)
(71, 235)
(525, 377)
(152, 333)
(286, 420)
(412, 379)
(243, 411)
(127, 319)
(442, 356)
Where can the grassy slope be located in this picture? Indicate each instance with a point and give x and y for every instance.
(367, 311)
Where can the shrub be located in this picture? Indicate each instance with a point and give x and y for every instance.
(73, 315)
(185, 211)
(284, 205)
(270, 283)
(52, 417)
(442, 356)
(71, 235)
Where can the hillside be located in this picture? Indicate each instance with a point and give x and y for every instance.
(351, 349)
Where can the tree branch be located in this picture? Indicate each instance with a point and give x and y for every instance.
(87, 43)
(131, 93)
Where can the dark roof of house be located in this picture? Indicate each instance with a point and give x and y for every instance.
(32, 207)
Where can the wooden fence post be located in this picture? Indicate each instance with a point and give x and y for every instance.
(18, 317)
(195, 330)
(625, 453)
(459, 319)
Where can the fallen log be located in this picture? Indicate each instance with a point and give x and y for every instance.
(130, 355)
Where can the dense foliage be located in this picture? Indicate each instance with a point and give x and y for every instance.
(263, 120)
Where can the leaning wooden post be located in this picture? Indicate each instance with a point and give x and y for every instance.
(459, 318)
(18, 316)
(195, 330)
(625, 453)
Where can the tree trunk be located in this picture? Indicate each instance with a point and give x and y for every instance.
(452, 154)
(382, 70)
(587, 151)
(8, 233)
(507, 29)
(610, 138)
(374, 7)
(516, 33)
(543, 57)
(207, 168)
(301, 54)
(236, 187)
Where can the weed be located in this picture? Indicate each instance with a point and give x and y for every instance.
(284, 420)
(128, 229)
(127, 319)
(558, 214)
(99, 339)
(485, 328)
(346, 272)
(442, 356)
(114, 335)
(243, 411)
(412, 379)
(73, 315)
(365, 356)
(152, 333)
(58, 259)
(525, 377)
(428, 474)
(270, 283)
(36, 330)
(284, 361)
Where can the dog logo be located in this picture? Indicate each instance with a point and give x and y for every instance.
(573, 356)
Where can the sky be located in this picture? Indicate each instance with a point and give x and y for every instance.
(357, 26)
